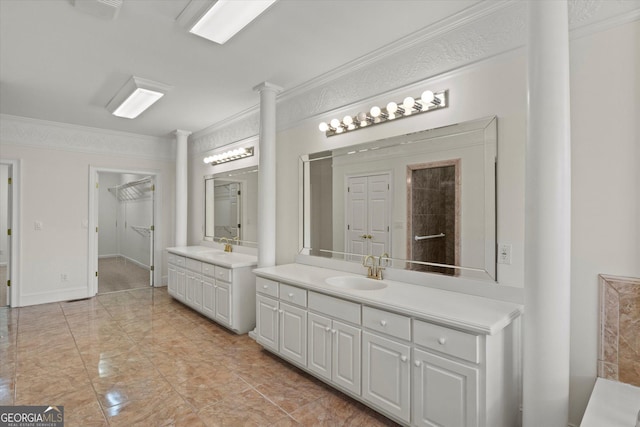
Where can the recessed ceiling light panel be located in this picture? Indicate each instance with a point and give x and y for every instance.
(226, 18)
(136, 96)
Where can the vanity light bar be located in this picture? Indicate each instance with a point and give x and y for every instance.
(228, 156)
(428, 101)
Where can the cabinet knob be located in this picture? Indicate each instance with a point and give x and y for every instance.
(281, 311)
(333, 331)
(404, 358)
(327, 329)
(275, 309)
(264, 286)
(417, 363)
(291, 295)
(442, 340)
(383, 322)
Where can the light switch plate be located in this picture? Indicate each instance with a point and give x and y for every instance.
(504, 254)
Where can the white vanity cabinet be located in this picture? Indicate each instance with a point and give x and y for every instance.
(421, 356)
(334, 346)
(222, 287)
(386, 361)
(282, 324)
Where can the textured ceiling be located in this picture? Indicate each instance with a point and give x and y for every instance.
(62, 65)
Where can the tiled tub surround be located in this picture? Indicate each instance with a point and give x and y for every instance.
(619, 337)
(217, 284)
(419, 355)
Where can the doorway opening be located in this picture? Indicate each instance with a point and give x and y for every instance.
(434, 216)
(125, 231)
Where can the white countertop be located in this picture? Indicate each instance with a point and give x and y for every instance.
(612, 404)
(472, 313)
(216, 256)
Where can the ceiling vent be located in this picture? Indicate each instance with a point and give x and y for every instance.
(107, 9)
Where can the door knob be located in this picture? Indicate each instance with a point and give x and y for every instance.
(442, 340)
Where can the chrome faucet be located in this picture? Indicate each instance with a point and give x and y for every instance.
(227, 245)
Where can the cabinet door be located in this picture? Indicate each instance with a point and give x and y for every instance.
(223, 302)
(319, 340)
(267, 322)
(385, 374)
(208, 297)
(181, 284)
(293, 333)
(346, 356)
(197, 292)
(173, 279)
(445, 393)
(190, 288)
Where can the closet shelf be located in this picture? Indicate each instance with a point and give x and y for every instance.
(134, 190)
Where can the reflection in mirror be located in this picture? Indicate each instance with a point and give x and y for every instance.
(426, 199)
(231, 206)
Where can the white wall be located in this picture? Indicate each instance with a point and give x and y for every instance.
(55, 190)
(605, 145)
(107, 215)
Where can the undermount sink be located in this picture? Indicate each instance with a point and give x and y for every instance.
(355, 282)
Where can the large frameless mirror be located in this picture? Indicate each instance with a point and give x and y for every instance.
(231, 206)
(427, 200)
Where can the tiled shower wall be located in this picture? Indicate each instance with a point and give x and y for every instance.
(619, 338)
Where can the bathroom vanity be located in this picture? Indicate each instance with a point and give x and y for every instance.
(218, 284)
(421, 356)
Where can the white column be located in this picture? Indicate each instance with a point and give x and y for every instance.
(267, 175)
(182, 186)
(547, 218)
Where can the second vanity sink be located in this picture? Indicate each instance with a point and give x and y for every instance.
(356, 283)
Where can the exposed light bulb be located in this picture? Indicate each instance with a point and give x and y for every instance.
(339, 129)
(391, 116)
(392, 107)
(323, 127)
(408, 103)
(347, 120)
(335, 123)
(375, 111)
(427, 97)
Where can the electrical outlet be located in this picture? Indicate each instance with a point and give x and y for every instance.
(64, 277)
(37, 225)
(504, 254)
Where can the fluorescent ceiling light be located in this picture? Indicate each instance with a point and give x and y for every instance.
(135, 96)
(227, 17)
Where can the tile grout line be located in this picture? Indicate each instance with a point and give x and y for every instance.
(84, 364)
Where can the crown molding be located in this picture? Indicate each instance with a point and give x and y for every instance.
(485, 30)
(28, 132)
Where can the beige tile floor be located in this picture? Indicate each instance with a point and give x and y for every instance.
(140, 358)
(119, 274)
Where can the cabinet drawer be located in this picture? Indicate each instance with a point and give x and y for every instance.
(223, 273)
(178, 260)
(267, 287)
(171, 258)
(393, 324)
(335, 307)
(208, 269)
(293, 295)
(449, 341)
(194, 265)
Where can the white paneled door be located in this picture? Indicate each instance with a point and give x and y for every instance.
(368, 214)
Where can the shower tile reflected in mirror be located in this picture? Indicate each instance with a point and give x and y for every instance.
(433, 212)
